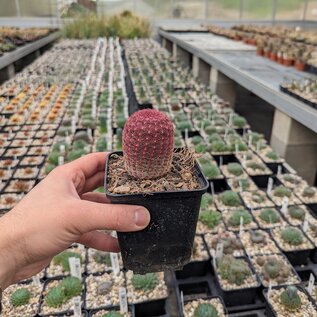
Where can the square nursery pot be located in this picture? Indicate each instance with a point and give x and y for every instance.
(166, 244)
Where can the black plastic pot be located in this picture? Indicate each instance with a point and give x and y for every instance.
(313, 255)
(154, 308)
(241, 296)
(166, 244)
(270, 312)
(194, 269)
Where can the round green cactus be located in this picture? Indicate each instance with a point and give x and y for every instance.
(255, 166)
(272, 156)
(71, 286)
(197, 140)
(210, 170)
(210, 218)
(230, 198)
(63, 259)
(282, 191)
(234, 219)
(206, 201)
(290, 298)
(20, 297)
(235, 169)
(205, 310)
(309, 192)
(272, 267)
(200, 148)
(269, 215)
(257, 197)
(145, 282)
(239, 122)
(55, 297)
(292, 236)
(219, 146)
(257, 236)
(102, 258)
(297, 212)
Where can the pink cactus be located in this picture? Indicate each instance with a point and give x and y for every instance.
(148, 143)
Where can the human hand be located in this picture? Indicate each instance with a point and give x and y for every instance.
(61, 210)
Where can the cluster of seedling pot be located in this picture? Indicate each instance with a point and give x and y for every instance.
(255, 227)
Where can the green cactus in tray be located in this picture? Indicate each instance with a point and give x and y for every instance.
(210, 218)
(269, 215)
(235, 169)
(63, 259)
(230, 198)
(205, 310)
(20, 297)
(290, 298)
(297, 212)
(71, 286)
(272, 267)
(235, 218)
(145, 282)
(55, 297)
(257, 236)
(309, 192)
(206, 201)
(282, 191)
(210, 170)
(102, 258)
(292, 236)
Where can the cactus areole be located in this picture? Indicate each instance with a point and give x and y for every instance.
(148, 144)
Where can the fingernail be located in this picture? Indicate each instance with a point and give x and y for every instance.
(141, 217)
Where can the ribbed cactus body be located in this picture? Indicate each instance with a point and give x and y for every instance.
(148, 143)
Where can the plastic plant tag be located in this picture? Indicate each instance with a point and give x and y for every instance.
(214, 262)
(220, 161)
(123, 300)
(241, 226)
(305, 225)
(240, 185)
(250, 140)
(77, 306)
(212, 188)
(311, 284)
(115, 263)
(219, 250)
(186, 136)
(285, 205)
(269, 289)
(269, 186)
(258, 146)
(279, 169)
(75, 268)
(61, 160)
(62, 148)
(230, 119)
(36, 281)
(244, 157)
(237, 148)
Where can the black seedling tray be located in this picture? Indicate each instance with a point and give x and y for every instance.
(154, 308)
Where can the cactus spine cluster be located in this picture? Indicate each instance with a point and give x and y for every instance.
(145, 282)
(20, 297)
(148, 144)
(205, 310)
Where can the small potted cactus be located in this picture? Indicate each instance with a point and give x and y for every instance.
(289, 301)
(205, 307)
(168, 183)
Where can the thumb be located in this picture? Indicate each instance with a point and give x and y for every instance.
(96, 216)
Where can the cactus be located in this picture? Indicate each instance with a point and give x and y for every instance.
(272, 268)
(148, 143)
(257, 236)
(290, 298)
(112, 314)
(210, 170)
(292, 236)
(205, 310)
(239, 122)
(256, 166)
(257, 197)
(206, 201)
(210, 218)
(63, 259)
(230, 198)
(234, 219)
(229, 241)
(145, 282)
(272, 155)
(200, 148)
(234, 270)
(235, 169)
(20, 297)
(269, 215)
(102, 258)
(297, 212)
(282, 191)
(197, 140)
(71, 286)
(290, 178)
(219, 146)
(55, 297)
(309, 192)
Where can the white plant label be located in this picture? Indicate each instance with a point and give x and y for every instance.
(258, 145)
(284, 205)
(244, 158)
(182, 302)
(219, 250)
(115, 263)
(279, 169)
(220, 161)
(62, 148)
(61, 160)
(186, 136)
(270, 289)
(237, 148)
(123, 300)
(212, 188)
(240, 186)
(305, 225)
(241, 226)
(311, 283)
(75, 268)
(77, 306)
(269, 186)
(230, 119)
(36, 281)
(214, 262)
(250, 141)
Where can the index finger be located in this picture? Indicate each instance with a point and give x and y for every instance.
(90, 164)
